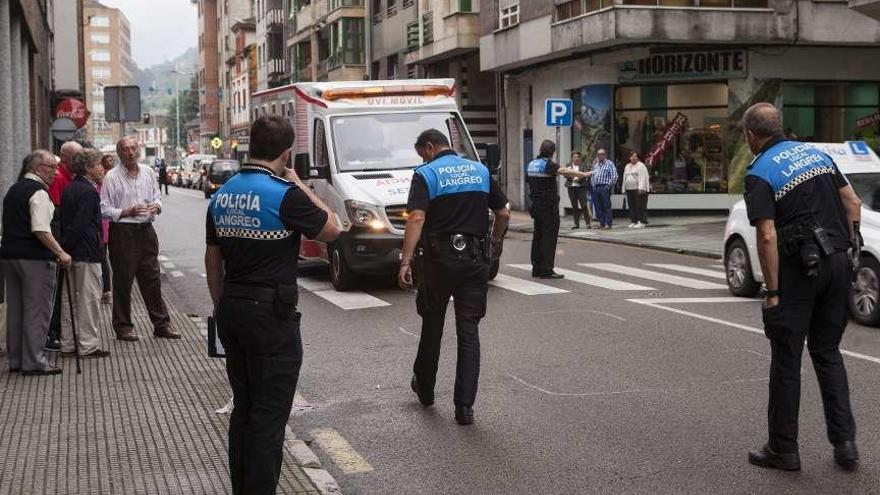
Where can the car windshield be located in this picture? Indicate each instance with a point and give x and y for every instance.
(867, 186)
(385, 141)
(222, 171)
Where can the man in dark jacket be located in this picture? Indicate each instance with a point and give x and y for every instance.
(163, 175)
(81, 237)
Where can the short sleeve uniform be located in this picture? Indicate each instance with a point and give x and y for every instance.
(541, 174)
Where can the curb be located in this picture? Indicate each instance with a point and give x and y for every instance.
(527, 229)
(304, 457)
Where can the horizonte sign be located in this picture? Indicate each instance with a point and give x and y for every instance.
(686, 65)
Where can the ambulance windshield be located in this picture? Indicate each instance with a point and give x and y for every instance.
(385, 141)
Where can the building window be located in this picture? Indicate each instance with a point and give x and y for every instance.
(97, 89)
(99, 55)
(508, 13)
(100, 38)
(101, 72)
(709, 4)
(453, 6)
(829, 112)
(99, 21)
(346, 42)
(392, 66)
(679, 130)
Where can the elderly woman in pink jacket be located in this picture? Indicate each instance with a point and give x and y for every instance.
(636, 185)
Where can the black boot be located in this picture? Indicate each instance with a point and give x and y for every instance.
(766, 457)
(464, 415)
(577, 220)
(425, 399)
(846, 455)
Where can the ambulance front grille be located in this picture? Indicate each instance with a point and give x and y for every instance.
(397, 216)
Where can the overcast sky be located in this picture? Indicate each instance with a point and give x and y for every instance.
(160, 29)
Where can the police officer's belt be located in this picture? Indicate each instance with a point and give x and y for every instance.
(250, 292)
(458, 241)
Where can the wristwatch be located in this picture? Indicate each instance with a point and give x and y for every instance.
(771, 293)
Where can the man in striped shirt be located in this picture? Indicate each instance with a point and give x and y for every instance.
(603, 181)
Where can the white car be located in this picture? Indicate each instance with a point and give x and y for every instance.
(861, 167)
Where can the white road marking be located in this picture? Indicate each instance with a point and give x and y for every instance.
(526, 287)
(692, 300)
(587, 394)
(312, 285)
(177, 274)
(407, 332)
(691, 283)
(162, 257)
(168, 264)
(161, 270)
(658, 303)
(340, 451)
(720, 267)
(583, 278)
(689, 269)
(579, 311)
(351, 300)
(203, 275)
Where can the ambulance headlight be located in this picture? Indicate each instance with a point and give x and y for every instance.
(364, 215)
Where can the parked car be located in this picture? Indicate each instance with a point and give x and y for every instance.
(217, 173)
(861, 167)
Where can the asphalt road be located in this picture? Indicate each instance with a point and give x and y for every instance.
(622, 381)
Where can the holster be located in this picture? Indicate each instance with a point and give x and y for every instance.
(285, 301)
(801, 242)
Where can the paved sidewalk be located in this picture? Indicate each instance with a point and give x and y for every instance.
(695, 235)
(141, 421)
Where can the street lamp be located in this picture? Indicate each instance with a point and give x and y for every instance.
(177, 73)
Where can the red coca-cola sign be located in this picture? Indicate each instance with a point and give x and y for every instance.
(73, 109)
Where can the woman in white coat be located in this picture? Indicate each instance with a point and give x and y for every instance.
(636, 185)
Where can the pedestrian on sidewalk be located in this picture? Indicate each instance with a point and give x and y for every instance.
(30, 257)
(448, 215)
(578, 192)
(63, 178)
(636, 185)
(107, 162)
(542, 173)
(603, 180)
(254, 224)
(81, 238)
(131, 199)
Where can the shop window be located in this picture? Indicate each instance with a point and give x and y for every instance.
(830, 112)
(678, 130)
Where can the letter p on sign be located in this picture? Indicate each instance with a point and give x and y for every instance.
(559, 112)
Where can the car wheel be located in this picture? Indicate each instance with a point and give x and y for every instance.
(865, 292)
(493, 269)
(341, 276)
(738, 267)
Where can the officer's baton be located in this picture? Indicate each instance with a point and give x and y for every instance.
(72, 321)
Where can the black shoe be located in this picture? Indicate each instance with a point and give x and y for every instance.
(552, 275)
(769, 459)
(425, 399)
(52, 345)
(50, 371)
(575, 227)
(464, 415)
(846, 455)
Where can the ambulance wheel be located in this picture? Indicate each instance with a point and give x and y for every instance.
(493, 269)
(864, 303)
(341, 276)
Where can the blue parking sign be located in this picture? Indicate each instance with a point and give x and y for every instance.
(558, 112)
(858, 147)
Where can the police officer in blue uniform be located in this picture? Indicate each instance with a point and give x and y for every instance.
(254, 225)
(448, 207)
(807, 219)
(541, 174)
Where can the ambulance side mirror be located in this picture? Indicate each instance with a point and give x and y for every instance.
(493, 158)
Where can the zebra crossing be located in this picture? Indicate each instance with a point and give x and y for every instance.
(606, 276)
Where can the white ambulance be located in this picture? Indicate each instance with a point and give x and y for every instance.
(354, 143)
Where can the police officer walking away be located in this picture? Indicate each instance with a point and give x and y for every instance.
(448, 207)
(807, 218)
(254, 225)
(541, 174)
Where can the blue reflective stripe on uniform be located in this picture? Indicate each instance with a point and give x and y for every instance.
(248, 206)
(788, 164)
(451, 174)
(538, 168)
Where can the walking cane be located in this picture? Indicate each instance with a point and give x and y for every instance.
(72, 321)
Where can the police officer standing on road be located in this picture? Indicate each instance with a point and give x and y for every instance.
(544, 193)
(807, 218)
(254, 225)
(448, 207)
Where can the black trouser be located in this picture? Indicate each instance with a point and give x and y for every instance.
(164, 183)
(638, 202)
(544, 237)
(815, 308)
(579, 204)
(263, 358)
(464, 275)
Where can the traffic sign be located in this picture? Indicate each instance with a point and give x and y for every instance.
(63, 129)
(216, 143)
(858, 147)
(122, 103)
(558, 112)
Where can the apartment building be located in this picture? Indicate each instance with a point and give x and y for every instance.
(327, 40)
(242, 68)
(229, 13)
(670, 79)
(107, 62)
(271, 17)
(394, 26)
(208, 77)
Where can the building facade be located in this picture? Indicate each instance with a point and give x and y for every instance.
(242, 68)
(394, 32)
(670, 79)
(271, 18)
(229, 13)
(208, 77)
(107, 62)
(327, 40)
(68, 74)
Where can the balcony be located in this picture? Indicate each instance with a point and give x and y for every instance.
(275, 17)
(342, 59)
(275, 67)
